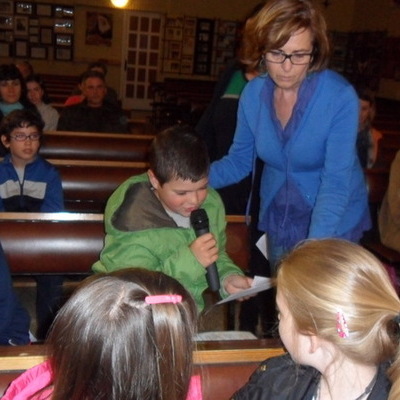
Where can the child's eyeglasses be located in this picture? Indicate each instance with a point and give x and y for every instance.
(22, 138)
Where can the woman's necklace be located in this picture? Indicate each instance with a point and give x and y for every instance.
(366, 392)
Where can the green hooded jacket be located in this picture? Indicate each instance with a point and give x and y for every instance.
(139, 233)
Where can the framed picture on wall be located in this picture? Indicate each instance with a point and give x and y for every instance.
(63, 12)
(63, 53)
(6, 36)
(33, 38)
(23, 8)
(46, 35)
(44, 10)
(64, 26)
(63, 40)
(6, 22)
(5, 49)
(34, 30)
(6, 7)
(21, 26)
(21, 48)
(38, 52)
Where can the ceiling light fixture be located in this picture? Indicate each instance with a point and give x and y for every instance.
(119, 3)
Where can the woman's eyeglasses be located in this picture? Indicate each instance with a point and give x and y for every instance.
(279, 57)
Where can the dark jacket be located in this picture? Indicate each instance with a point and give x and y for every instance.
(279, 378)
(82, 118)
(217, 127)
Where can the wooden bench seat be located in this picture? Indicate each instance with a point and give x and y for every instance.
(95, 146)
(224, 366)
(69, 243)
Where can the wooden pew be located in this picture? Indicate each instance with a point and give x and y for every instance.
(224, 366)
(69, 243)
(95, 146)
(87, 185)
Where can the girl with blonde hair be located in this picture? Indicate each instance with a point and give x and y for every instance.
(339, 321)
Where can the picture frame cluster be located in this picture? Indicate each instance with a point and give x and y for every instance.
(36, 30)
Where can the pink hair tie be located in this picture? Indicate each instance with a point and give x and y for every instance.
(341, 325)
(163, 298)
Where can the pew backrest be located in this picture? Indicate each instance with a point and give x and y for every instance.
(69, 243)
(87, 185)
(223, 370)
(95, 146)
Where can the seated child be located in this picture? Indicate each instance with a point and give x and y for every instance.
(29, 183)
(339, 320)
(147, 219)
(37, 95)
(14, 319)
(125, 335)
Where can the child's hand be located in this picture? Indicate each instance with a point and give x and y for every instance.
(205, 249)
(236, 283)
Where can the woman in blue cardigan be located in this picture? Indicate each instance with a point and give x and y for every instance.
(301, 119)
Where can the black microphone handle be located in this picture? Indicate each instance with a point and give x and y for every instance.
(212, 275)
(213, 278)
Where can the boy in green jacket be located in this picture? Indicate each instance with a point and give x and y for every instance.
(147, 218)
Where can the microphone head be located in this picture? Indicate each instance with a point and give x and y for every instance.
(199, 219)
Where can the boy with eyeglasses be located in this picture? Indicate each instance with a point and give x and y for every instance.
(28, 183)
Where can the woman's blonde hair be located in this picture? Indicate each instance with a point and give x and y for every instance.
(320, 278)
(273, 25)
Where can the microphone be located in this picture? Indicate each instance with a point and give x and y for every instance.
(199, 221)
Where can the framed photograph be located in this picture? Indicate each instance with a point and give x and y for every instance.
(23, 8)
(38, 52)
(33, 22)
(63, 53)
(64, 26)
(44, 10)
(34, 30)
(64, 40)
(21, 25)
(46, 35)
(99, 29)
(33, 39)
(6, 6)
(6, 36)
(6, 22)
(63, 12)
(5, 49)
(21, 48)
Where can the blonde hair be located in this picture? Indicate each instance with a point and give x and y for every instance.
(321, 277)
(273, 25)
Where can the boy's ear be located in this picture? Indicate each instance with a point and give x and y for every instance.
(5, 141)
(153, 180)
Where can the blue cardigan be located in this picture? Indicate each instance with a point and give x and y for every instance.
(319, 158)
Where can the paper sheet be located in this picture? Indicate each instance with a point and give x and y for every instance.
(262, 245)
(260, 283)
